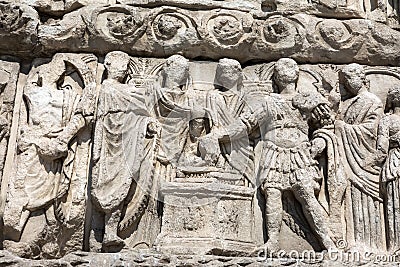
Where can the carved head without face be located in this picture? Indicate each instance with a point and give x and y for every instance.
(196, 127)
(229, 73)
(197, 124)
(286, 71)
(393, 97)
(176, 69)
(116, 64)
(352, 77)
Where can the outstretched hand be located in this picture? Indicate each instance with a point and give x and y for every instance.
(322, 114)
(317, 146)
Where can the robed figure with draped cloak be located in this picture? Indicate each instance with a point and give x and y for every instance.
(389, 144)
(355, 202)
(123, 153)
(226, 103)
(48, 145)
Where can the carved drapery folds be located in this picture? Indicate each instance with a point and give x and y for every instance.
(124, 153)
(142, 153)
(48, 179)
(228, 128)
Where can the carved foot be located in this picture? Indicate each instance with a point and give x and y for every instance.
(269, 249)
(329, 244)
(272, 247)
(112, 243)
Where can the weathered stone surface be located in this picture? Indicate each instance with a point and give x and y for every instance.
(18, 28)
(383, 10)
(152, 258)
(191, 133)
(221, 33)
(47, 185)
(165, 30)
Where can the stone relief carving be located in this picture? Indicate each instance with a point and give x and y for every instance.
(283, 33)
(49, 180)
(388, 143)
(194, 136)
(164, 31)
(122, 178)
(123, 24)
(336, 34)
(198, 132)
(18, 26)
(9, 75)
(170, 141)
(226, 29)
(355, 184)
(285, 164)
(172, 28)
(9, 72)
(226, 104)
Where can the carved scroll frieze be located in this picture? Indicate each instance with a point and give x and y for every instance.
(386, 11)
(172, 29)
(121, 24)
(279, 33)
(169, 30)
(164, 31)
(227, 29)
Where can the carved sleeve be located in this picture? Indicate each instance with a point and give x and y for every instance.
(243, 126)
(383, 135)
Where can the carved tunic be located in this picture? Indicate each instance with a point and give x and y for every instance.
(226, 108)
(120, 145)
(172, 110)
(356, 131)
(390, 133)
(285, 159)
(49, 111)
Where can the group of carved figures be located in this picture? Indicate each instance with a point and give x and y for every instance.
(341, 160)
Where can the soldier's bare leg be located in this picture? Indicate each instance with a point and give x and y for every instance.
(111, 240)
(314, 213)
(273, 217)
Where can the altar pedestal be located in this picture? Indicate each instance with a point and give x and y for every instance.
(207, 218)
